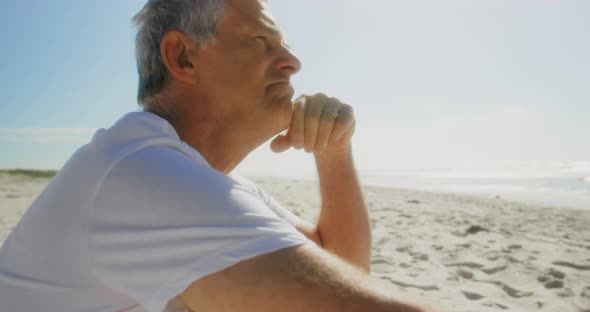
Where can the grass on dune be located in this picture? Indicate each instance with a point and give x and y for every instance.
(30, 173)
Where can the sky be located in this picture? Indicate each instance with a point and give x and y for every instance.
(433, 83)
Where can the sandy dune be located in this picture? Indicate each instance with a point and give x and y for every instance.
(462, 253)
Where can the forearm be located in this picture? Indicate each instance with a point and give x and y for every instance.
(301, 278)
(344, 224)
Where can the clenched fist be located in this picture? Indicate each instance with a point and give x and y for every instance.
(319, 124)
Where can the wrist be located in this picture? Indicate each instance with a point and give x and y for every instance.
(334, 155)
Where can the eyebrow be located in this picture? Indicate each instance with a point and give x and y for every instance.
(268, 26)
(271, 28)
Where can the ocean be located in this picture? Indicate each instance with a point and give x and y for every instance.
(559, 184)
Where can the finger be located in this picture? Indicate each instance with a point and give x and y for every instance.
(313, 112)
(326, 126)
(343, 124)
(280, 144)
(296, 129)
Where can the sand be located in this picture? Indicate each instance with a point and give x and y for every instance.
(461, 253)
(468, 253)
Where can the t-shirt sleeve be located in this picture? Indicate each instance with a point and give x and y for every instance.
(282, 211)
(272, 203)
(162, 220)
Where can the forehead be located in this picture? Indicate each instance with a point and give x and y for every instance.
(250, 15)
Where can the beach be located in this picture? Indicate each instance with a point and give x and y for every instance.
(462, 253)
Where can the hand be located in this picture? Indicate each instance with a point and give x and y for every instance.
(315, 129)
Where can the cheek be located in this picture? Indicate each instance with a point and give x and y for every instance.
(227, 67)
(245, 63)
(235, 74)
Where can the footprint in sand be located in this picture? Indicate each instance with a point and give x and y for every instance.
(556, 273)
(430, 287)
(493, 255)
(495, 269)
(472, 296)
(492, 304)
(383, 240)
(552, 279)
(580, 267)
(512, 292)
(465, 274)
(419, 256)
(437, 247)
(381, 268)
(582, 301)
(404, 265)
(554, 283)
(472, 265)
(381, 260)
(565, 293)
(403, 249)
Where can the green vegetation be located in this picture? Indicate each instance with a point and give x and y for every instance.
(30, 173)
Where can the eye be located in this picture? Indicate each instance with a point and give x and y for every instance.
(262, 38)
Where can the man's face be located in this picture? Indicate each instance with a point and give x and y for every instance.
(246, 72)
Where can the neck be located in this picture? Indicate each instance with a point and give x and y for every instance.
(224, 147)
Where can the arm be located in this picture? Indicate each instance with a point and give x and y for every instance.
(344, 225)
(302, 278)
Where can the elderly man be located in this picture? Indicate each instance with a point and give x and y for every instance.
(149, 217)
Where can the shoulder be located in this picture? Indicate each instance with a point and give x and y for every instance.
(161, 183)
(164, 169)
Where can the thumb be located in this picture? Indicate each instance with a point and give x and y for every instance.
(280, 144)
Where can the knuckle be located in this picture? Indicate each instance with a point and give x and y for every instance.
(299, 104)
(306, 98)
(347, 108)
(319, 97)
(300, 100)
(347, 113)
(334, 100)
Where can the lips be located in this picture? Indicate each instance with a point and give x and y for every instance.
(279, 83)
(283, 89)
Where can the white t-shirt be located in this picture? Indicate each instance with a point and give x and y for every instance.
(131, 220)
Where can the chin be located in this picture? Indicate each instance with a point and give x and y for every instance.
(282, 102)
(279, 105)
(280, 116)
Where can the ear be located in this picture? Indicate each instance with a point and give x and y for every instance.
(179, 55)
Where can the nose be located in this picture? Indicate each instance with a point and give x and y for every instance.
(288, 62)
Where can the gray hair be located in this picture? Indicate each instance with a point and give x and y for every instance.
(196, 18)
